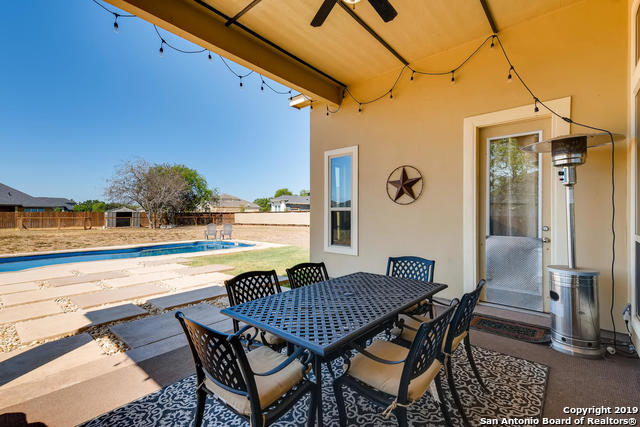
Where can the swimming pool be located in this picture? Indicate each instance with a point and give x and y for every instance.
(30, 261)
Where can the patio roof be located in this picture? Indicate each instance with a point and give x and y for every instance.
(320, 60)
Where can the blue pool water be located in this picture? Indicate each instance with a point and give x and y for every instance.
(31, 261)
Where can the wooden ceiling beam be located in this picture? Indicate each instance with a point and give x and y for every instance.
(190, 20)
(238, 15)
(489, 15)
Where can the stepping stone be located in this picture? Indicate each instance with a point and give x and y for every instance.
(117, 294)
(200, 279)
(163, 261)
(48, 293)
(156, 268)
(140, 278)
(151, 329)
(35, 275)
(188, 297)
(71, 323)
(166, 345)
(19, 287)
(86, 278)
(29, 311)
(211, 268)
(37, 362)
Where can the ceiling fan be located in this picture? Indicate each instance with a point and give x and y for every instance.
(383, 7)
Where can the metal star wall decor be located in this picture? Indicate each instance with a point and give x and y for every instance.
(404, 185)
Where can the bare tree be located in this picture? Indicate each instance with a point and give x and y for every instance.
(156, 189)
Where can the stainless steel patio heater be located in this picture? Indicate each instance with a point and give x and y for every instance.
(575, 322)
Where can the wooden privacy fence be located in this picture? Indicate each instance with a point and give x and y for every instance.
(27, 220)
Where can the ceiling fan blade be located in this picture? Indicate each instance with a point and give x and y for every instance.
(384, 9)
(323, 12)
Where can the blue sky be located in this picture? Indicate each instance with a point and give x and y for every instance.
(76, 99)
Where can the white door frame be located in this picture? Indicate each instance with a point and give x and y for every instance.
(472, 126)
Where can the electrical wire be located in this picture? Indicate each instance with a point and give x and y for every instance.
(163, 41)
(112, 12)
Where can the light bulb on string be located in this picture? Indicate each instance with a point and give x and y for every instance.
(509, 77)
(412, 74)
(262, 85)
(535, 103)
(161, 50)
(327, 110)
(115, 23)
(453, 77)
(492, 44)
(240, 77)
(210, 58)
(359, 108)
(391, 94)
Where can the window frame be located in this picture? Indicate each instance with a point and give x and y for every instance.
(328, 155)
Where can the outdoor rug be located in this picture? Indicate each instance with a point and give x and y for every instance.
(510, 329)
(517, 388)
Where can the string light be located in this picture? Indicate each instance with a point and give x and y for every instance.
(210, 58)
(161, 50)
(412, 74)
(391, 94)
(115, 23)
(492, 44)
(453, 77)
(327, 110)
(359, 108)
(535, 104)
(509, 79)
(240, 77)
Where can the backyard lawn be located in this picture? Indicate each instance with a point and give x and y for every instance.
(264, 259)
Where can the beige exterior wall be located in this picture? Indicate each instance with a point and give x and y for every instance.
(578, 51)
(273, 218)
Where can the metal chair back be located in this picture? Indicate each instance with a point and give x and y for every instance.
(411, 267)
(306, 273)
(252, 285)
(463, 315)
(426, 347)
(217, 355)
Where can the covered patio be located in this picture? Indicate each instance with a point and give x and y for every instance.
(419, 113)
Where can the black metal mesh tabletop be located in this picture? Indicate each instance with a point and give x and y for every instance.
(327, 315)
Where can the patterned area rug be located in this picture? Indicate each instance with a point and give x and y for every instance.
(517, 388)
(510, 329)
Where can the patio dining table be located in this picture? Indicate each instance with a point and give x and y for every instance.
(326, 317)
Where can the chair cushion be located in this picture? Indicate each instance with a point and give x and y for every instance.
(409, 334)
(269, 338)
(270, 388)
(385, 377)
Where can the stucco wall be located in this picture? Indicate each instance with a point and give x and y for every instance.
(578, 51)
(273, 218)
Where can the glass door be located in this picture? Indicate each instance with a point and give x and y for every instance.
(513, 258)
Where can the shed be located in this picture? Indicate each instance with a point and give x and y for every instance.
(122, 217)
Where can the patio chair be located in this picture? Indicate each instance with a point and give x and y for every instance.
(416, 268)
(306, 273)
(212, 230)
(250, 286)
(260, 386)
(394, 377)
(460, 326)
(226, 231)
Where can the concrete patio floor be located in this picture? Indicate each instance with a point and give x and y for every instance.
(63, 323)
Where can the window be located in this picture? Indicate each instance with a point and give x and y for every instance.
(34, 209)
(341, 201)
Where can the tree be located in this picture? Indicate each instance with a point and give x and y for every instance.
(283, 192)
(98, 206)
(265, 205)
(156, 189)
(304, 192)
(197, 192)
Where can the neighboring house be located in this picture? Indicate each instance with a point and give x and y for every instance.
(229, 203)
(12, 200)
(290, 203)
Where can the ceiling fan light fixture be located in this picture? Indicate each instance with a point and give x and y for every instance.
(351, 2)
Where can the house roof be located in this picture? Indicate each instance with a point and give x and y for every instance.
(292, 199)
(229, 201)
(9, 196)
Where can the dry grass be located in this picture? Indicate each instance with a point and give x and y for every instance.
(15, 241)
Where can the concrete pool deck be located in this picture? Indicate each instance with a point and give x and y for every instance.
(59, 322)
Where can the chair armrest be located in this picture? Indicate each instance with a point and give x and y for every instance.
(374, 357)
(284, 364)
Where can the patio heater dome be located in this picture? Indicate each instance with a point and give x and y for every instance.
(575, 323)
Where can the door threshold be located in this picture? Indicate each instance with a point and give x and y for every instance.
(516, 309)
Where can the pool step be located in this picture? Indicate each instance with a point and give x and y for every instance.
(70, 323)
(48, 294)
(108, 296)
